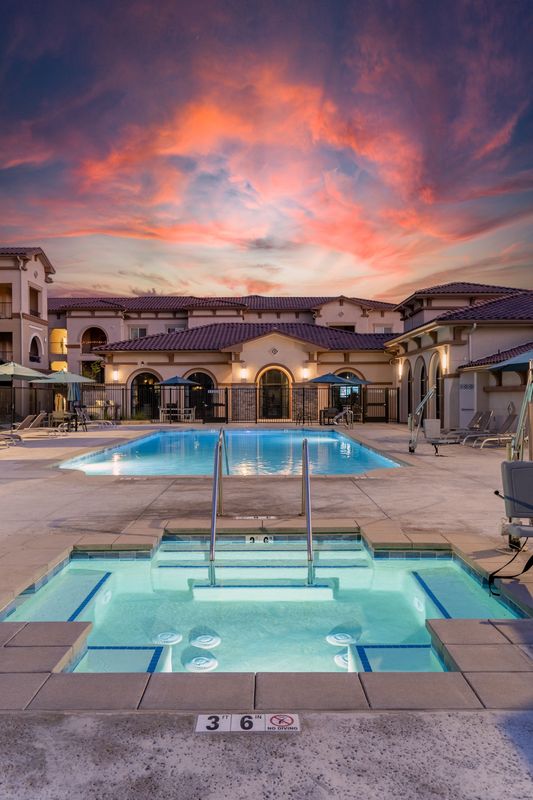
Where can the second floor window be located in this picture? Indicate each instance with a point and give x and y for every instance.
(137, 333)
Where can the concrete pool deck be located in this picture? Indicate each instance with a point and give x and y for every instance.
(362, 750)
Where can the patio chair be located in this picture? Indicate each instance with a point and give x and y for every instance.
(26, 422)
(479, 424)
(327, 415)
(499, 437)
(484, 427)
(85, 422)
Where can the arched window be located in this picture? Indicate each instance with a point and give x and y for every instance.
(92, 339)
(347, 395)
(35, 350)
(274, 394)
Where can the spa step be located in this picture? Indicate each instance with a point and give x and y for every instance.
(278, 591)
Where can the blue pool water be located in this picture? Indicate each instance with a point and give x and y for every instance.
(163, 615)
(250, 452)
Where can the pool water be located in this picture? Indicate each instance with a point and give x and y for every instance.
(249, 452)
(163, 615)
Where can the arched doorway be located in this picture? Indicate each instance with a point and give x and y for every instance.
(274, 394)
(145, 396)
(435, 379)
(203, 397)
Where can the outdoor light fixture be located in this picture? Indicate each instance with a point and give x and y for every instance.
(400, 369)
(244, 373)
(115, 375)
(305, 373)
(444, 360)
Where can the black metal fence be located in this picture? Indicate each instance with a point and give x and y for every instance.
(247, 404)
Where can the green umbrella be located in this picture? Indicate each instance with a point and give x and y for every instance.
(72, 379)
(11, 371)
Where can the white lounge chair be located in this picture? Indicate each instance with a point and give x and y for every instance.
(499, 437)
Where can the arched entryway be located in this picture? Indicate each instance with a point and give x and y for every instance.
(274, 394)
(145, 396)
(420, 382)
(407, 389)
(35, 350)
(92, 339)
(202, 398)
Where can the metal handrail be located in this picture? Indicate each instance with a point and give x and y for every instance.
(217, 500)
(306, 509)
(416, 419)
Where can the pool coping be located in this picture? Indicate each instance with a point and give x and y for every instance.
(35, 680)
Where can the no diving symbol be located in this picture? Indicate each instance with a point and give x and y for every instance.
(281, 720)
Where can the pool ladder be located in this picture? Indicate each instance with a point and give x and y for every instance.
(221, 450)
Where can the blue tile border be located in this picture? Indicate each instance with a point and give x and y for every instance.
(434, 599)
(89, 597)
(156, 654)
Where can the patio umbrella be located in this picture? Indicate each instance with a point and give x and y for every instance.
(516, 364)
(177, 381)
(336, 380)
(11, 371)
(70, 379)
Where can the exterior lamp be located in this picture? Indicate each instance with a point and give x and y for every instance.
(244, 373)
(115, 375)
(444, 360)
(400, 370)
(305, 373)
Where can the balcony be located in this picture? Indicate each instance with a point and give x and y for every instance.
(6, 355)
(34, 312)
(36, 359)
(6, 309)
(88, 346)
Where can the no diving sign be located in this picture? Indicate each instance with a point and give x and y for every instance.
(247, 723)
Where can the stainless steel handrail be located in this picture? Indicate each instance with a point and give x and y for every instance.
(217, 500)
(306, 509)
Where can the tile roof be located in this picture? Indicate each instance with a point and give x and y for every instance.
(503, 355)
(511, 308)
(226, 334)
(459, 288)
(28, 252)
(177, 302)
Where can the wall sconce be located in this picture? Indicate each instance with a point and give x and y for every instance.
(305, 373)
(444, 360)
(115, 375)
(400, 370)
(244, 373)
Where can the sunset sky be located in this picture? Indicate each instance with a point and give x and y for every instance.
(278, 147)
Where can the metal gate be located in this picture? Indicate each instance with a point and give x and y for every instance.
(380, 404)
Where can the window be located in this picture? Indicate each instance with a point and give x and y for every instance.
(383, 329)
(177, 327)
(35, 350)
(350, 328)
(35, 302)
(137, 333)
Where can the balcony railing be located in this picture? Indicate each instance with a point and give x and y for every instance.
(35, 312)
(6, 355)
(90, 345)
(6, 309)
(36, 359)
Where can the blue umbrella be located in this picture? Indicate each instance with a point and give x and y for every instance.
(336, 380)
(516, 364)
(177, 381)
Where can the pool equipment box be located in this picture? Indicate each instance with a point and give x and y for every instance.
(247, 723)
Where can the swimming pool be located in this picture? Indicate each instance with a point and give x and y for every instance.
(249, 452)
(163, 615)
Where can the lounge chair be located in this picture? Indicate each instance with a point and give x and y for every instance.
(26, 422)
(36, 429)
(484, 427)
(85, 422)
(479, 424)
(499, 437)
